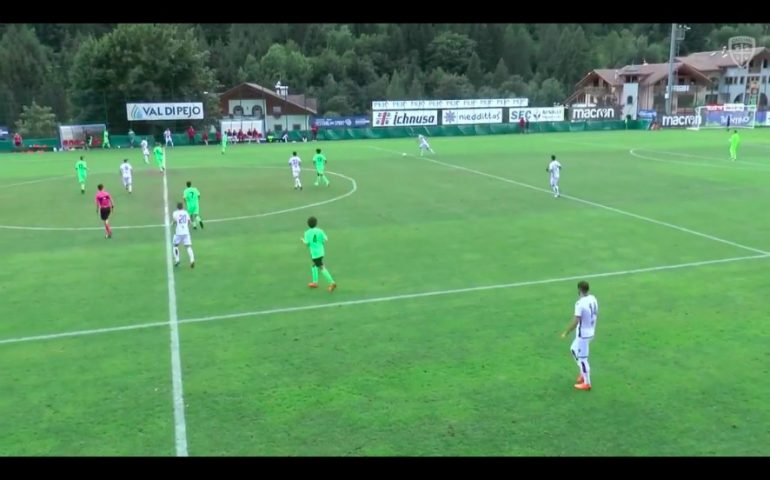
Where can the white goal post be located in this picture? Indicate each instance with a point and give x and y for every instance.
(730, 115)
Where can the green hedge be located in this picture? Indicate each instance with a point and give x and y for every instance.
(393, 132)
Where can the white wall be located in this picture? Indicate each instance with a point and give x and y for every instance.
(630, 90)
(247, 105)
(290, 120)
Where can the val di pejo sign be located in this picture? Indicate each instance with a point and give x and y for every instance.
(164, 111)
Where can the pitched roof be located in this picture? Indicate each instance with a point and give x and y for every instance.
(715, 59)
(609, 75)
(309, 108)
(651, 73)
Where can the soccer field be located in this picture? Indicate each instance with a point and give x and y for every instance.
(456, 275)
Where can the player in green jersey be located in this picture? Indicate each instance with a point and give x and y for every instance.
(82, 171)
(192, 197)
(315, 238)
(319, 160)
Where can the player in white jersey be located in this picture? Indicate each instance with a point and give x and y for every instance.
(146, 151)
(296, 164)
(181, 219)
(126, 171)
(169, 139)
(586, 314)
(554, 168)
(424, 145)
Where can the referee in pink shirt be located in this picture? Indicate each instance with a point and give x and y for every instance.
(104, 207)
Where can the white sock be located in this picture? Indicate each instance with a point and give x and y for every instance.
(130, 188)
(297, 183)
(190, 254)
(556, 189)
(585, 370)
(176, 255)
(146, 159)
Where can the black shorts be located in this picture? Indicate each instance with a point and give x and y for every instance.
(105, 213)
(318, 262)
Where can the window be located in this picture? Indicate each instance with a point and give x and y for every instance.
(743, 80)
(630, 100)
(764, 63)
(296, 126)
(277, 127)
(256, 111)
(238, 110)
(751, 64)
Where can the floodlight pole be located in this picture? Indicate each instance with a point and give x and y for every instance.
(670, 86)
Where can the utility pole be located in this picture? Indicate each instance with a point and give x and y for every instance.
(670, 86)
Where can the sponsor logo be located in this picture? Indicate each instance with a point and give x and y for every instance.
(647, 114)
(472, 116)
(342, 122)
(741, 49)
(405, 118)
(680, 120)
(164, 111)
(595, 113)
(547, 114)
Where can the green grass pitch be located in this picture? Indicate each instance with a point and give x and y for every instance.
(456, 275)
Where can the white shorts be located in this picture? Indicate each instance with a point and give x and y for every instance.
(580, 347)
(169, 140)
(424, 146)
(554, 181)
(146, 153)
(295, 173)
(183, 239)
(126, 181)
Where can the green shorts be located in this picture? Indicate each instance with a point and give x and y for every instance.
(82, 179)
(194, 209)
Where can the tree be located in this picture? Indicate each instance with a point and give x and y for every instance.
(501, 73)
(416, 89)
(396, 87)
(550, 92)
(377, 90)
(473, 71)
(451, 86)
(518, 48)
(450, 51)
(340, 104)
(24, 62)
(548, 55)
(137, 63)
(284, 63)
(573, 55)
(36, 121)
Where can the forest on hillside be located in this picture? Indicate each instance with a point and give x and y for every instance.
(87, 72)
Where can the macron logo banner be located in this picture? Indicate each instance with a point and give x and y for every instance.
(138, 112)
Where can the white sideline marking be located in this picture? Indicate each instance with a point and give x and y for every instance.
(587, 202)
(180, 426)
(81, 333)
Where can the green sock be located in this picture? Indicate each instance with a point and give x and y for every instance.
(314, 269)
(327, 275)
